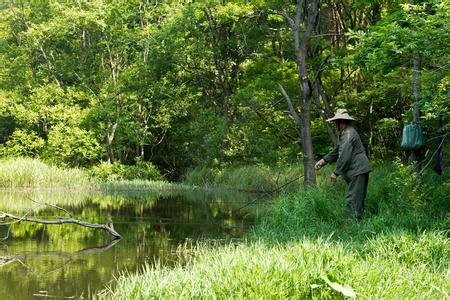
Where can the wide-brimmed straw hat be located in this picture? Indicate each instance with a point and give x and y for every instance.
(341, 114)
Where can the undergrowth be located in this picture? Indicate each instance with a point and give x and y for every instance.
(257, 177)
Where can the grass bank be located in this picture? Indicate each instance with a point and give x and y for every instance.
(253, 178)
(143, 185)
(31, 173)
(306, 269)
(19, 173)
(306, 247)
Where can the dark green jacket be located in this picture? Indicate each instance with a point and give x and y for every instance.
(349, 154)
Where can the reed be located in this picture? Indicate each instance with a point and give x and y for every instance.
(253, 178)
(26, 172)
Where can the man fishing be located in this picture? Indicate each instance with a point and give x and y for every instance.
(351, 162)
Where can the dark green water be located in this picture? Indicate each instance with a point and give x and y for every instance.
(58, 261)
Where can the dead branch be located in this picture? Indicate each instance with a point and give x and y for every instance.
(52, 205)
(5, 260)
(61, 221)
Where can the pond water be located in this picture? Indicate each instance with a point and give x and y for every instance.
(70, 261)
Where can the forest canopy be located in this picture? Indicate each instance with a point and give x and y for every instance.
(179, 84)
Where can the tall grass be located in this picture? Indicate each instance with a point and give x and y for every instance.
(307, 247)
(395, 200)
(143, 185)
(26, 172)
(247, 177)
(305, 269)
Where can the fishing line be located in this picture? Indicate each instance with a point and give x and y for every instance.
(269, 193)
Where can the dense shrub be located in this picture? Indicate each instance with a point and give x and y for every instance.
(23, 143)
(118, 171)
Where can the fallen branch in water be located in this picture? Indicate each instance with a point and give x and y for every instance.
(114, 233)
(5, 260)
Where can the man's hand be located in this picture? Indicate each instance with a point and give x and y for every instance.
(320, 164)
(333, 177)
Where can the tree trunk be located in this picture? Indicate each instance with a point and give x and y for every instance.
(415, 155)
(219, 65)
(109, 139)
(301, 50)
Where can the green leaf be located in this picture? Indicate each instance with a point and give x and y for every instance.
(344, 290)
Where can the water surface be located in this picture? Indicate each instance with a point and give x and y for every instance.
(59, 261)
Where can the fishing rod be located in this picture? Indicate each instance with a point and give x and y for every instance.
(270, 192)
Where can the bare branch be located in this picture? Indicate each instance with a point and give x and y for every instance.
(320, 69)
(327, 34)
(52, 205)
(298, 14)
(292, 109)
(61, 221)
(288, 18)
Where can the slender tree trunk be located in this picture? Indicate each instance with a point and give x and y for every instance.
(223, 77)
(303, 119)
(415, 155)
(109, 139)
(305, 112)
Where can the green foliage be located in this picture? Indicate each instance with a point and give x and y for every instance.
(188, 83)
(142, 170)
(387, 139)
(386, 51)
(117, 171)
(407, 186)
(23, 143)
(107, 171)
(72, 146)
(200, 176)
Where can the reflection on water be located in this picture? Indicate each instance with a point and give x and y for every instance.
(69, 260)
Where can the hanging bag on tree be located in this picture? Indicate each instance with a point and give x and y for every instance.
(412, 137)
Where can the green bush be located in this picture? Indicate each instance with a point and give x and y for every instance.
(23, 143)
(117, 171)
(142, 170)
(72, 146)
(107, 171)
(200, 176)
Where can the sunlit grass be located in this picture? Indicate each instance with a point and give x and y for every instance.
(142, 185)
(297, 270)
(256, 178)
(26, 172)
